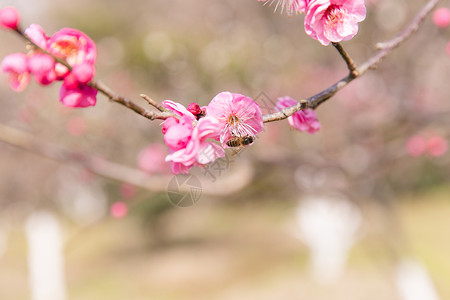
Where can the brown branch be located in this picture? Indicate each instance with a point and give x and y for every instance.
(153, 103)
(103, 88)
(386, 47)
(113, 96)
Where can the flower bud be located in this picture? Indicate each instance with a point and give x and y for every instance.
(9, 17)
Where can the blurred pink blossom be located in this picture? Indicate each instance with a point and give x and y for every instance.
(119, 210)
(9, 17)
(80, 96)
(437, 146)
(303, 120)
(42, 66)
(76, 126)
(333, 20)
(416, 145)
(237, 114)
(441, 17)
(74, 46)
(151, 159)
(127, 190)
(16, 65)
(37, 35)
(290, 6)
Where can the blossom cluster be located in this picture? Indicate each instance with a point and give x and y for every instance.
(70, 45)
(327, 20)
(195, 136)
(192, 135)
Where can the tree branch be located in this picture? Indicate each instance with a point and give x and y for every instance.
(225, 185)
(386, 47)
(103, 88)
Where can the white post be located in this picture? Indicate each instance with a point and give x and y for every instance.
(45, 257)
(413, 282)
(328, 226)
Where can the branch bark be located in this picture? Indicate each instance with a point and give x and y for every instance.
(385, 48)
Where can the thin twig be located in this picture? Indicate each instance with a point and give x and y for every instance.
(314, 101)
(103, 88)
(113, 96)
(153, 103)
(348, 60)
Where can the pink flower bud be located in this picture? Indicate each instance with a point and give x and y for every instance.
(83, 73)
(9, 17)
(194, 108)
(441, 17)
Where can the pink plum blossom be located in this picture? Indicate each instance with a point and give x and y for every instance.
(17, 66)
(333, 20)
(151, 159)
(42, 66)
(198, 150)
(168, 123)
(290, 6)
(238, 116)
(74, 46)
(178, 109)
(37, 35)
(80, 96)
(178, 135)
(9, 17)
(441, 17)
(83, 73)
(303, 120)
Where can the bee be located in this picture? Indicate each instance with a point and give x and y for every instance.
(240, 141)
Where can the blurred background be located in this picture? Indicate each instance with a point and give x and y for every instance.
(360, 210)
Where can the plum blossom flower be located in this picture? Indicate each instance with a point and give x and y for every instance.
(74, 46)
(9, 17)
(37, 35)
(197, 150)
(303, 120)
(237, 114)
(42, 66)
(290, 6)
(333, 20)
(178, 109)
(80, 96)
(191, 142)
(17, 66)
